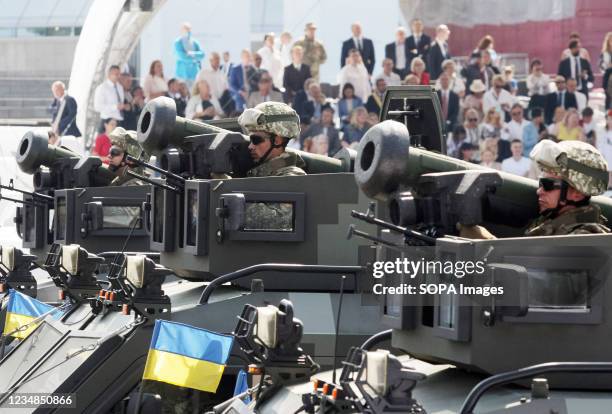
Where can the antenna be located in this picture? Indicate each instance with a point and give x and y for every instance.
(338, 328)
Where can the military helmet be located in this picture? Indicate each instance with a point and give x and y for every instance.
(578, 163)
(274, 117)
(127, 142)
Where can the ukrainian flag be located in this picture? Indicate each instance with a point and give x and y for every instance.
(20, 310)
(187, 356)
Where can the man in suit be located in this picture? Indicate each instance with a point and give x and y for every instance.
(227, 66)
(364, 45)
(239, 80)
(265, 93)
(399, 53)
(295, 74)
(438, 52)
(63, 112)
(449, 102)
(560, 98)
(418, 42)
(576, 67)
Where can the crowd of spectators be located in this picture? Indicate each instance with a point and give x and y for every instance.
(485, 121)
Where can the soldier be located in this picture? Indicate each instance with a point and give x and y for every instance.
(314, 52)
(270, 126)
(124, 142)
(572, 172)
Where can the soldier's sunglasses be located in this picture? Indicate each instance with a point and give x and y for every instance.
(115, 152)
(549, 184)
(256, 139)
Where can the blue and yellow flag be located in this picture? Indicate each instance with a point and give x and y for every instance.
(21, 310)
(187, 356)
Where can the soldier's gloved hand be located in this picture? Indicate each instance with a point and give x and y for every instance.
(474, 232)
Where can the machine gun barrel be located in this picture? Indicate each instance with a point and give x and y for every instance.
(390, 226)
(155, 183)
(40, 197)
(152, 167)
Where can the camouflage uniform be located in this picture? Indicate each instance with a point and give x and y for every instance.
(584, 168)
(314, 54)
(288, 163)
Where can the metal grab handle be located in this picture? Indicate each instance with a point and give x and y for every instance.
(277, 267)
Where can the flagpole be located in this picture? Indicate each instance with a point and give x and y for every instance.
(139, 397)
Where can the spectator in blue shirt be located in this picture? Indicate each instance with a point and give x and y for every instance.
(533, 130)
(347, 103)
(188, 55)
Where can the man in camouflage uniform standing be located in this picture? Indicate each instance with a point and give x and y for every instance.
(270, 126)
(572, 172)
(314, 52)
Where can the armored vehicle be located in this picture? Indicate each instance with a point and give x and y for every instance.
(198, 219)
(541, 346)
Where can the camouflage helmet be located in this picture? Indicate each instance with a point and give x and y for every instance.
(127, 142)
(578, 163)
(274, 117)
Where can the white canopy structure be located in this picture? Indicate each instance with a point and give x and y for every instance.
(110, 34)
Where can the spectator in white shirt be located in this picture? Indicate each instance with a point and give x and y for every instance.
(514, 129)
(497, 97)
(391, 78)
(517, 164)
(155, 84)
(271, 60)
(203, 106)
(284, 49)
(355, 73)
(214, 76)
(108, 97)
(538, 83)
(581, 99)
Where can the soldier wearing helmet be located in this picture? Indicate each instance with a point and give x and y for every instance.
(270, 126)
(123, 143)
(572, 172)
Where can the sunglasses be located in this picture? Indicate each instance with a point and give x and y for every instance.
(549, 184)
(516, 113)
(115, 152)
(256, 139)
(472, 119)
